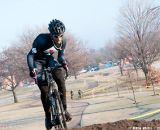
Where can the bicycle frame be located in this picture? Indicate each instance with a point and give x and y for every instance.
(57, 111)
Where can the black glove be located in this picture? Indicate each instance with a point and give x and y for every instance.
(33, 73)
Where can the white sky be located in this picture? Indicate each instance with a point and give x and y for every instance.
(93, 21)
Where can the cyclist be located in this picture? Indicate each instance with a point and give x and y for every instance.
(43, 44)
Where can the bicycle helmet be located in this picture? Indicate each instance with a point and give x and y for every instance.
(56, 27)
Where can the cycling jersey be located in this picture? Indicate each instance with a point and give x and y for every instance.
(42, 48)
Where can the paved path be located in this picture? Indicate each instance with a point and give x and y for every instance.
(111, 108)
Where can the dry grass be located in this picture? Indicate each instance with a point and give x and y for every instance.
(107, 81)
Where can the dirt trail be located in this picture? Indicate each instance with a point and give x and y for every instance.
(125, 125)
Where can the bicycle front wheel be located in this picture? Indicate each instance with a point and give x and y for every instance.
(62, 118)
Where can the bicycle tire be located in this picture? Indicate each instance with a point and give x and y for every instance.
(62, 111)
(60, 107)
(53, 110)
(57, 112)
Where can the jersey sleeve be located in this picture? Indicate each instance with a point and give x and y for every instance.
(31, 54)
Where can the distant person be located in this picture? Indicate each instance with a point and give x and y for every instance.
(79, 93)
(40, 50)
(72, 94)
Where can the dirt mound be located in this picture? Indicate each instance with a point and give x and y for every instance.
(125, 125)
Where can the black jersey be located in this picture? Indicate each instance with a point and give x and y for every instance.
(43, 46)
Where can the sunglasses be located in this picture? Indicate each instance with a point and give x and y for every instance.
(58, 36)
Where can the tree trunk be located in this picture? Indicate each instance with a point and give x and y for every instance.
(130, 80)
(121, 64)
(15, 97)
(75, 75)
(154, 92)
(121, 70)
(136, 70)
(145, 71)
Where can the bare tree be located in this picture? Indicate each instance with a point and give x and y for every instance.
(139, 28)
(107, 52)
(12, 70)
(119, 53)
(76, 54)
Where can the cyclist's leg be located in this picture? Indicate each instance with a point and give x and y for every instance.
(59, 78)
(58, 75)
(44, 98)
(44, 89)
(42, 84)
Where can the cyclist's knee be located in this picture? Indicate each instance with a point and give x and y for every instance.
(44, 89)
(58, 74)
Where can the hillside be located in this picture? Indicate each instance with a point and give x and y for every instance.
(107, 104)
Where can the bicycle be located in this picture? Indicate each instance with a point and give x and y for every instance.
(58, 119)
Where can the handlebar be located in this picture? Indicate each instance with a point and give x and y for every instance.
(50, 69)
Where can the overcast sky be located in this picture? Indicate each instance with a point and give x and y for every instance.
(92, 21)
